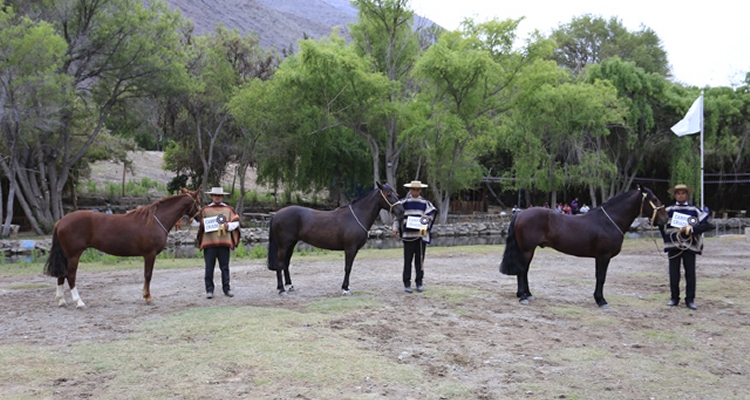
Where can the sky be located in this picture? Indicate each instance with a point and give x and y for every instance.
(707, 43)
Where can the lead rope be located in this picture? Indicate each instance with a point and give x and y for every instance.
(160, 224)
(357, 219)
(613, 222)
(652, 219)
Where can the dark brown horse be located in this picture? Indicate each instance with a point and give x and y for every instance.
(141, 232)
(345, 228)
(597, 234)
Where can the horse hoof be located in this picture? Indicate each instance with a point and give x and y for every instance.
(149, 300)
(62, 303)
(282, 292)
(80, 306)
(524, 301)
(346, 292)
(604, 306)
(530, 298)
(291, 288)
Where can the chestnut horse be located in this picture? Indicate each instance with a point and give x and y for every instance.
(345, 228)
(141, 232)
(597, 234)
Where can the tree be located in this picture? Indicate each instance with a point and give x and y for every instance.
(469, 80)
(116, 50)
(590, 40)
(385, 36)
(556, 134)
(339, 83)
(219, 63)
(290, 148)
(30, 95)
(636, 143)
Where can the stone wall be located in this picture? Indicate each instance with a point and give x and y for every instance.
(178, 238)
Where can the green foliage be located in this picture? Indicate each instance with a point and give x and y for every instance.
(240, 251)
(92, 255)
(258, 252)
(311, 251)
(591, 40)
(133, 188)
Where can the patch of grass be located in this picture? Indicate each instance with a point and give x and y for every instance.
(663, 337)
(453, 294)
(342, 304)
(258, 252)
(198, 351)
(28, 286)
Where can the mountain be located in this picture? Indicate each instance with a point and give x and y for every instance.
(278, 23)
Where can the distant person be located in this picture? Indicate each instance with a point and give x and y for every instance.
(584, 209)
(415, 227)
(566, 209)
(217, 235)
(682, 241)
(574, 206)
(515, 210)
(108, 209)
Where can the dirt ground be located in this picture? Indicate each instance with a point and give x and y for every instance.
(486, 340)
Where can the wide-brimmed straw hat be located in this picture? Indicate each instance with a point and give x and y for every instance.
(681, 187)
(415, 185)
(217, 191)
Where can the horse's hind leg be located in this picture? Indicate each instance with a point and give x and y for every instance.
(524, 293)
(288, 278)
(72, 269)
(60, 292)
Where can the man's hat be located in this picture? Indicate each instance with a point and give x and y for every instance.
(681, 187)
(415, 185)
(216, 191)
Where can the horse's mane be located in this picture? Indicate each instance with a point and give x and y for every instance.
(615, 199)
(361, 197)
(146, 213)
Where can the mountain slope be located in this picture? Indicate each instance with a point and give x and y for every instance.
(278, 23)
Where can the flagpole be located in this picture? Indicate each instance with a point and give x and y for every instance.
(702, 196)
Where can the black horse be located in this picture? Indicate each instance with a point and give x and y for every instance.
(597, 234)
(345, 228)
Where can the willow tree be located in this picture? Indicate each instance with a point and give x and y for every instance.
(555, 137)
(469, 81)
(385, 35)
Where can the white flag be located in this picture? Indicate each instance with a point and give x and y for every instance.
(693, 119)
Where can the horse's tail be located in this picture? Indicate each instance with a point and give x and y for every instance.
(272, 249)
(57, 262)
(512, 262)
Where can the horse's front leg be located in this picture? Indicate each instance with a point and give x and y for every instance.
(602, 263)
(348, 261)
(148, 271)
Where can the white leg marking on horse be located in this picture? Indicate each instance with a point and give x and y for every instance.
(77, 298)
(60, 296)
(346, 292)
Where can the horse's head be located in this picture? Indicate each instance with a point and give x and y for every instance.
(195, 206)
(389, 200)
(652, 207)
